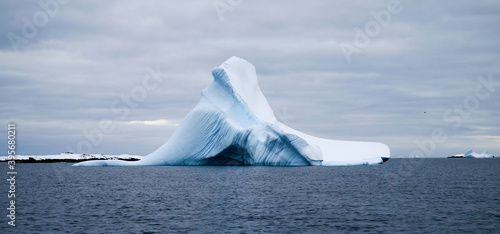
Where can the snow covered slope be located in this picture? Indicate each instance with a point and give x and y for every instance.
(233, 124)
(70, 157)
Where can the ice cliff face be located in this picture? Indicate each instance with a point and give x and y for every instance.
(234, 125)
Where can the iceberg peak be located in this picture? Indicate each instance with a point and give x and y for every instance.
(240, 78)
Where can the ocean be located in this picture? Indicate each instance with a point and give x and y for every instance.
(401, 195)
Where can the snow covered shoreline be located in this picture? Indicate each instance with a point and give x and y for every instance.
(70, 157)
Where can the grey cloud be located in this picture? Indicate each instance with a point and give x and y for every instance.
(66, 77)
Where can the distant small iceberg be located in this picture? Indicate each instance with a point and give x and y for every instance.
(472, 154)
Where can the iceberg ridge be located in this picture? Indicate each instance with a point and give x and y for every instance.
(233, 124)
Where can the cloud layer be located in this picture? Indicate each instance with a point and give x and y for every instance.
(66, 68)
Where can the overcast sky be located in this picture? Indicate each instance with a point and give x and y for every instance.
(397, 72)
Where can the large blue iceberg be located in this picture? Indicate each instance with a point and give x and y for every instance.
(234, 125)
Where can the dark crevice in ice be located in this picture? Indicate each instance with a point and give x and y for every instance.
(231, 156)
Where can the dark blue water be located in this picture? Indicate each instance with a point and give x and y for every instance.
(402, 195)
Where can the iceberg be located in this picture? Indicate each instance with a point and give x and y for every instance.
(472, 154)
(233, 124)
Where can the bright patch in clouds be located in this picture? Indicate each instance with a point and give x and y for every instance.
(160, 122)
